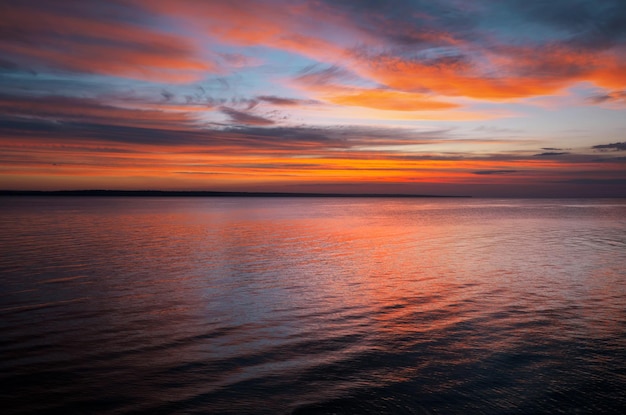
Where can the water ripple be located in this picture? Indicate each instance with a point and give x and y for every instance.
(321, 306)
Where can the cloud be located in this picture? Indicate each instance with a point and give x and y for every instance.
(239, 117)
(317, 75)
(501, 72)
(610, 160)
(60, 109)
(47, 120)
(497, 130)
(584, 23)
(385, 99)
(619, 182)
(488, 52)
(482, 172)
(611, 147)
(285, 102)
(167, 95)
(238, 60)
(550, 154)
(86, 145)
(609, 97)
(338, 86)
(481, 51)
(303, 28)
(96, 37)
(409, 23)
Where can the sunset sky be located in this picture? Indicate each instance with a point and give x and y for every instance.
(482, 98)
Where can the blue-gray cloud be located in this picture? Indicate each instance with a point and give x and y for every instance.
(240, 117)
(482, 172)
(285, 102)
(611, 96)
(620, 182)
(611, 147)
(551, 153)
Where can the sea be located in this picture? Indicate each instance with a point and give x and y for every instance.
(140, 305)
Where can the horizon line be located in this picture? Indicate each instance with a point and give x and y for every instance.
(206, 193)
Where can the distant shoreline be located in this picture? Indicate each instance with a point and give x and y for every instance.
(169, 193)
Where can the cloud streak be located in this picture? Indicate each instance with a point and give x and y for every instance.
(482, 172)
(95, 38)
(240, 117)
(611, 147)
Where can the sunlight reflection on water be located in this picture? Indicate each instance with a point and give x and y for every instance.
(313, 305)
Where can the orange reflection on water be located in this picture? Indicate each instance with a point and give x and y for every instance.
(217, 293)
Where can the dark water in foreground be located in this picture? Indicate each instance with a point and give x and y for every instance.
(270, 306)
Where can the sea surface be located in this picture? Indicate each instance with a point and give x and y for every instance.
(312, 306)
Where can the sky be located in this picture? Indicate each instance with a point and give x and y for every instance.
(497, 98)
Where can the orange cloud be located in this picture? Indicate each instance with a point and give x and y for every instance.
(327, 85)
(390, 100)
(88, 43)
(506, 73)
(493, 71)
(303, 28)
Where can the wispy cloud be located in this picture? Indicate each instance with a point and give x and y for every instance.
(616, 182)
(240, 117)
(609, 97)
(285, 102)
(481, 172)
(96, 38)
(611, 147)
(551, 154)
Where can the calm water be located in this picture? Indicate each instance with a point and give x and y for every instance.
(312, 306)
